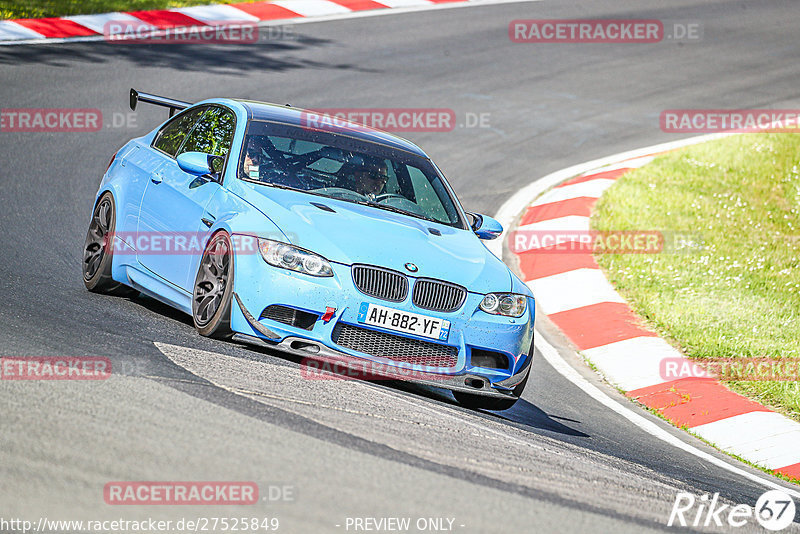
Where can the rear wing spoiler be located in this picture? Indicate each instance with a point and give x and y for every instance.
(173, 105)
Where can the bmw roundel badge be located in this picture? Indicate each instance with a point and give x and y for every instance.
(411, 267)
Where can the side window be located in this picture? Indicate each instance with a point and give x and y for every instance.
(171, 136)
(213, 134)
(427, 197)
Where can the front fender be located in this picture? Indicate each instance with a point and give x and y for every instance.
(242, 222)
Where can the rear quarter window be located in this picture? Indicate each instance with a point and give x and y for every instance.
(172, 134)
(213, 134)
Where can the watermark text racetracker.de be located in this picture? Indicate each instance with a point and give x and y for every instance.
(740, 369)
(730, 120)
(393, 119)
(50, 120)
(180, 493)
(196, 493)
(602, 241)
(60, 120)
(628, 31)
(351, 368)
(220, 32)
(54, 368)
(185, 243)
(55, 120)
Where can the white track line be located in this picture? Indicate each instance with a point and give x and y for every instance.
(554, 359)
(630, 164)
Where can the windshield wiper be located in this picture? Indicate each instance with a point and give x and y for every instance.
(282, 186)
(397, 210)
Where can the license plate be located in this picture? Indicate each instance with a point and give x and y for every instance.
(403, 321)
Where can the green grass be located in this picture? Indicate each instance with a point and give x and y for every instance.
(733, 289)
(19, 9)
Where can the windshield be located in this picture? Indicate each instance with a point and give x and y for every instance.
(345, 168)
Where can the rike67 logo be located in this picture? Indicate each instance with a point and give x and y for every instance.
(774, 510)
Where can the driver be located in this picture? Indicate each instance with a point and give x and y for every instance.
(370, 179)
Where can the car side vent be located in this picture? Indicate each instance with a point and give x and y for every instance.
(488, 359)
(290, 316)
(380, 283)
(323, 207)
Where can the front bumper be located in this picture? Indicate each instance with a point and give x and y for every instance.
(258, 285)
(320, 360)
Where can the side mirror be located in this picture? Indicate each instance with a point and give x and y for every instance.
(485, 227)
(198, 163)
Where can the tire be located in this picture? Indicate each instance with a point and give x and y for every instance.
(480, 402)
(213, 289)
(98, 250)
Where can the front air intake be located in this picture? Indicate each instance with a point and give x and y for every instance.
(291, 316)
(438, 296)
(380, 283)
(396, 348)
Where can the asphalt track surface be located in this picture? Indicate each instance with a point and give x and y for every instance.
(181, 407)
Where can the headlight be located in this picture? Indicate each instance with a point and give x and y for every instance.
(295, 259)
(508, 304)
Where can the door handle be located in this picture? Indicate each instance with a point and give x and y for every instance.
(156, 178)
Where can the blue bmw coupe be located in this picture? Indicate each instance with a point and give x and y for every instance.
(335, 242)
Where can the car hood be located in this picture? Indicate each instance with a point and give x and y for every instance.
(352, 233)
